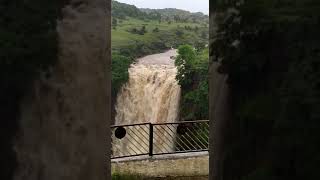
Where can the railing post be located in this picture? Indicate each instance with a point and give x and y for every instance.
(150, 140)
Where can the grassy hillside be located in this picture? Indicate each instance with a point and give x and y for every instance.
(168, 33)
(164, 28)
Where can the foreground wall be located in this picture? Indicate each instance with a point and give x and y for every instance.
(219, 101)
(64, 126)
(196, 165)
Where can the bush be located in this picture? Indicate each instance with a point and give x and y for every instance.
(142, 31)
(155, 30)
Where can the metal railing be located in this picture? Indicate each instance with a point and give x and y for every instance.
(162, 138)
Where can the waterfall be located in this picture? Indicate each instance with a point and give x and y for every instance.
(151, 95)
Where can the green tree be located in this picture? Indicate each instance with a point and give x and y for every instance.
(156, 29)
(143, 30)
(120, 75)
(204, 34)
(114, 23)
(184, 63)
(176, 18)
(199, 45)
(196, 29)
(192, 75)
(179, 33)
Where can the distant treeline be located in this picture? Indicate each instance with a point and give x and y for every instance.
(122, 10)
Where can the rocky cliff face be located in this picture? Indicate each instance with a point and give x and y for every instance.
(64, 125)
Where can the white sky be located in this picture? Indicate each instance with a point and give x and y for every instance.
(189, 5)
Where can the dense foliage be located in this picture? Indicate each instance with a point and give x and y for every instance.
(192, 76)
(28, 43)
(271, 51)
(120, 65)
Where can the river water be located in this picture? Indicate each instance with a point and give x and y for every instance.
(151, 95)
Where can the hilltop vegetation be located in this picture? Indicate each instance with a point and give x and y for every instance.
(177, 15)
(122, 10)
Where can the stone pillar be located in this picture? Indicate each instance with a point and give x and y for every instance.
(64, 130)
(219, 105)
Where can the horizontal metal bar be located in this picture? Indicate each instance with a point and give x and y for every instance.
(180, 152)
(182, 122)
(176, 152)
(129, 156)
(126, 125)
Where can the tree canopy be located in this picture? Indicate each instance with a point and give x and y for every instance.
(192, 76)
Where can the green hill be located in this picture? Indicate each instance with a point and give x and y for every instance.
(160, 32)
(122, 10)
(178, 15)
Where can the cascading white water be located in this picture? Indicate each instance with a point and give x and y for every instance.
(150, 96)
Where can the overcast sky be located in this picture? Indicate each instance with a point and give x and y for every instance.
(189, 5)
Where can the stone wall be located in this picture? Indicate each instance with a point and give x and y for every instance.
(65, 118)
(182, 165)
